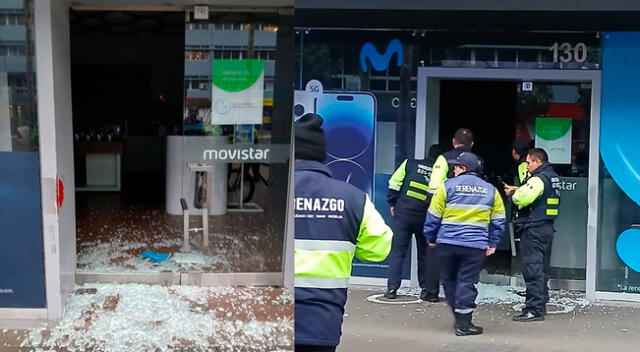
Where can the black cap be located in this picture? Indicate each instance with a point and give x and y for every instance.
(310, 143)
(469, 161)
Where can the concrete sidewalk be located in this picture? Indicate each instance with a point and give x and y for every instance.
(373, 327)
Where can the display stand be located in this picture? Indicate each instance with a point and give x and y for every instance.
(240, 206)
(186, 247)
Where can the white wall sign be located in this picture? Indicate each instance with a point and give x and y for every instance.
(554, 136)
(237, 92)
(201, 12)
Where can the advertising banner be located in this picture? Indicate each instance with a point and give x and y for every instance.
(554, 136)
(350, 124)
(237, 92)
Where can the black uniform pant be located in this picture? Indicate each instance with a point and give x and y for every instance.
(428, 271)
(535, 246)
(311, 348)
(460, 272)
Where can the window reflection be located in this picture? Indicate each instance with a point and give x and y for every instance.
(18, 111)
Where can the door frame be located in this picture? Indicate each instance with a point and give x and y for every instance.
(428, 115)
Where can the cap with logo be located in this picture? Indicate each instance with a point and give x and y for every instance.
(469, 160)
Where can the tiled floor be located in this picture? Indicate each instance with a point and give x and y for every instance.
(113, 229)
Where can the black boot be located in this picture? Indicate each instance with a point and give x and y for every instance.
(427, 297)
(526, 317)
(464, 326)
(390, 294)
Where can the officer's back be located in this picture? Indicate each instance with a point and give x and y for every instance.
(334, 222)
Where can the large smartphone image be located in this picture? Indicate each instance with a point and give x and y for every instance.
(349, 124)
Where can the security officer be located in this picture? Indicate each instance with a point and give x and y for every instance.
(462, 142)
(519, 151)
(538, 201)
(408, 197)
(334, 222)
(466, 219)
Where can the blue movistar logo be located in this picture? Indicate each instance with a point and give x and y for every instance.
(380, 62)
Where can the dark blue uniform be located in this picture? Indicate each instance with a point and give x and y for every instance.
(409, 195)
(535, 225)
(334, 222)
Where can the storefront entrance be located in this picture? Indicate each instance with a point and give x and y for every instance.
(500, 105)
(164, 192)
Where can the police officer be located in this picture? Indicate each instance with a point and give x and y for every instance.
(408, 197)
(466, 219)
(462, 142)
(334, 222)
(538, 201)
(519, 151)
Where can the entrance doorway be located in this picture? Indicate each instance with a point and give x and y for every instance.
(489, 109)
(150, 207)
(500, 105)
(127, 72)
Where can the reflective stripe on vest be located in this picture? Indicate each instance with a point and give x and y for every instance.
(419, 190)
(325, 245)
(323, 263)
(552, 206)
(465, 223)
(315, 282)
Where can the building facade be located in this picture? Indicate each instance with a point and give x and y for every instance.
(506, 71)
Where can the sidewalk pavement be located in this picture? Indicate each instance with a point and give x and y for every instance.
(373, 327)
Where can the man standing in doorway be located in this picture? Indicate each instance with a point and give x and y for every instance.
(334, 221)
(538, 201)
(466, 220)
(519, 151)
(408, 197)
(442, 170)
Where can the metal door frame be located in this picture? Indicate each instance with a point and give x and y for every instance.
(427, 115)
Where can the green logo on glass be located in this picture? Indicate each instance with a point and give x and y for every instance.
(551, 129)
(236, 75)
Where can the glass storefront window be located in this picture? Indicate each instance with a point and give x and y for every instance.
(21, 276)
(383, 96)
(236, 130)
(354, 62)
(560, 103)
(18, 109)
(617, 264)
(617, 213)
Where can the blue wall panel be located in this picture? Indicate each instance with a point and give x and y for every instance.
(21, 242)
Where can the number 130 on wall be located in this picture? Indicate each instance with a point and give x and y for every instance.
(565, 52)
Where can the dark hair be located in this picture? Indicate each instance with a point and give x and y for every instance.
(463, 136)
(434, 151)
(539, 154)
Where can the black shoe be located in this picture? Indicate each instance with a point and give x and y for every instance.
(464, 326)
(526, 317)
(521, 293)
(427, 297)
(390, 294)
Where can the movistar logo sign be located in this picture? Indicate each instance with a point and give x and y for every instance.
(380, 62)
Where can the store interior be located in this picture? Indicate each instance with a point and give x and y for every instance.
(129, 94)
